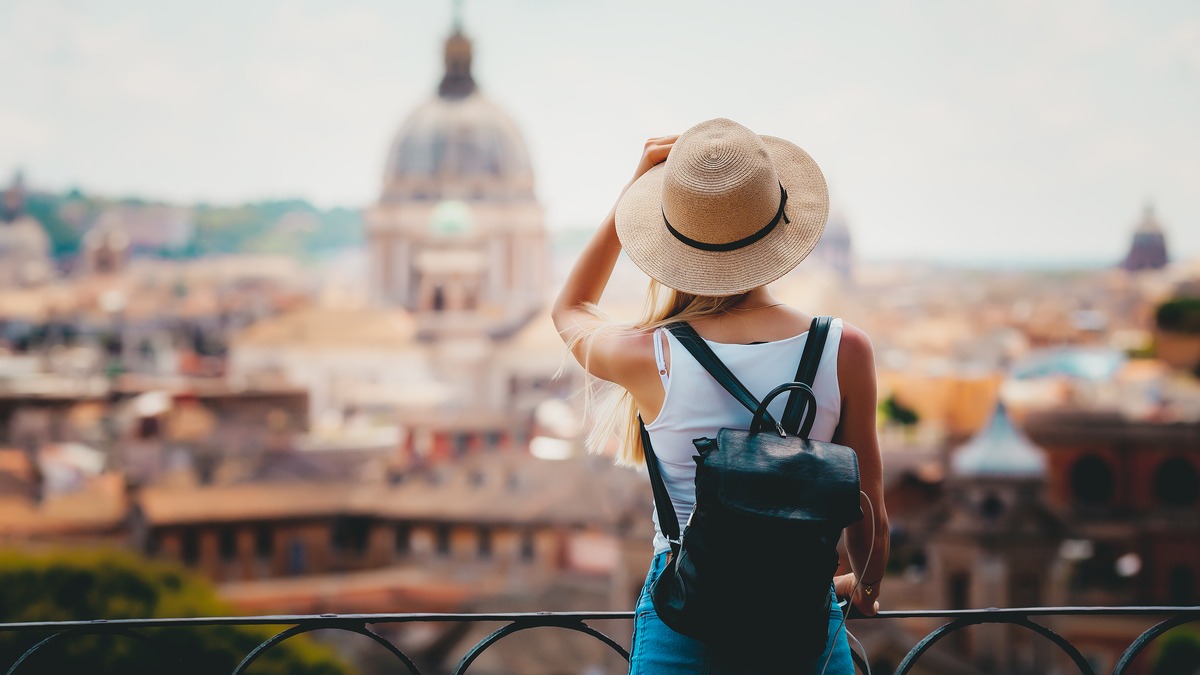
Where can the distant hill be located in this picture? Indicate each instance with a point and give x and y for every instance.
(283, 226)
(292, 226)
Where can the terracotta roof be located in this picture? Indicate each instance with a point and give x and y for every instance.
(410, 588)
(324, 328)
(497, 488)
(516, 488)
(99, 506)
(164, 505)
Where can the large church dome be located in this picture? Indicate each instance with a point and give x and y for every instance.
(458, 145)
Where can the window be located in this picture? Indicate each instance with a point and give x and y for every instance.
(264, 542)
(991, 507)
(297, 557)
(1176, 482)
(461, 443)
(439, 299)
(403, 533)
(1092, 480)
(527, 547)
(350, 534)
(443, 540)
(1025, 590)
(228, 544)
(960, 590)
(191, 547)
(148, 428)
(485, 542)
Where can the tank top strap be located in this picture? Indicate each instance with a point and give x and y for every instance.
(660, 359)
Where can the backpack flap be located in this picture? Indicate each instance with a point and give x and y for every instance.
(770, 474)
(782, 478)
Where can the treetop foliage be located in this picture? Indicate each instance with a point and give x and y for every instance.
(103, 584)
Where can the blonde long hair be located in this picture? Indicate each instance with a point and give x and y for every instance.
(609, 409)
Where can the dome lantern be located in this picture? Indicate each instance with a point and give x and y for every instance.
(458, 144)
(457, 83)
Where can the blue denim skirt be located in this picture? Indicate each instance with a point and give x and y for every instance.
(658, 650)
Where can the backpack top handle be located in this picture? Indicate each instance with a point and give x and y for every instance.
(810, 400)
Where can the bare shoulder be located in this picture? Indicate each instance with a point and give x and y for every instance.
(856, 356)
(855, 345)
(622, 356)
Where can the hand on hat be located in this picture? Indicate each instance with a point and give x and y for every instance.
(655, 151)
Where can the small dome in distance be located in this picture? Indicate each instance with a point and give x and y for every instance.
(999, 451)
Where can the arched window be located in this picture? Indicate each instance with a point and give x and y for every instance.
(1092, 480)
(1176, 482)
(991, 507)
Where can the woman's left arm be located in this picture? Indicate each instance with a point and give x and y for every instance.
(856, 377)
(590, 274)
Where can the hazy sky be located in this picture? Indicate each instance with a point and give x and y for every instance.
(974, 131)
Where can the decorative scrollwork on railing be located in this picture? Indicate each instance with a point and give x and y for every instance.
(576, 621)
(1149, 636)
(545, 619)
(95, 628)
(359, 628)
(928, 641)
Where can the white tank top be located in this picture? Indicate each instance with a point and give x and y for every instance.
(695, 406)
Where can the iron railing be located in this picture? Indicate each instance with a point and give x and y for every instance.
(576, 621)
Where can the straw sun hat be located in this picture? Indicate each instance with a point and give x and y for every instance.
(727, 212)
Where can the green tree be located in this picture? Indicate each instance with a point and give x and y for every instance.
(1181, 315)
(65, 237)
(1178, 652)
(83, 585)
(896, 412)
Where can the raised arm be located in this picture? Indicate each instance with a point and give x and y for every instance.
(585, 284)
(856, 376)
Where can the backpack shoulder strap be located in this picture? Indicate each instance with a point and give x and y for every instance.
(691, 340)
(668, 522)
(810, 361)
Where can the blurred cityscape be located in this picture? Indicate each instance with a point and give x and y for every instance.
(341, 411)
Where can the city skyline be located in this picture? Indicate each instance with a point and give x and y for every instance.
(1016, 134)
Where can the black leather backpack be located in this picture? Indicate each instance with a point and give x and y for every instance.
(752, 570)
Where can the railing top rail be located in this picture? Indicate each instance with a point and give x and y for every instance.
(302, 619)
